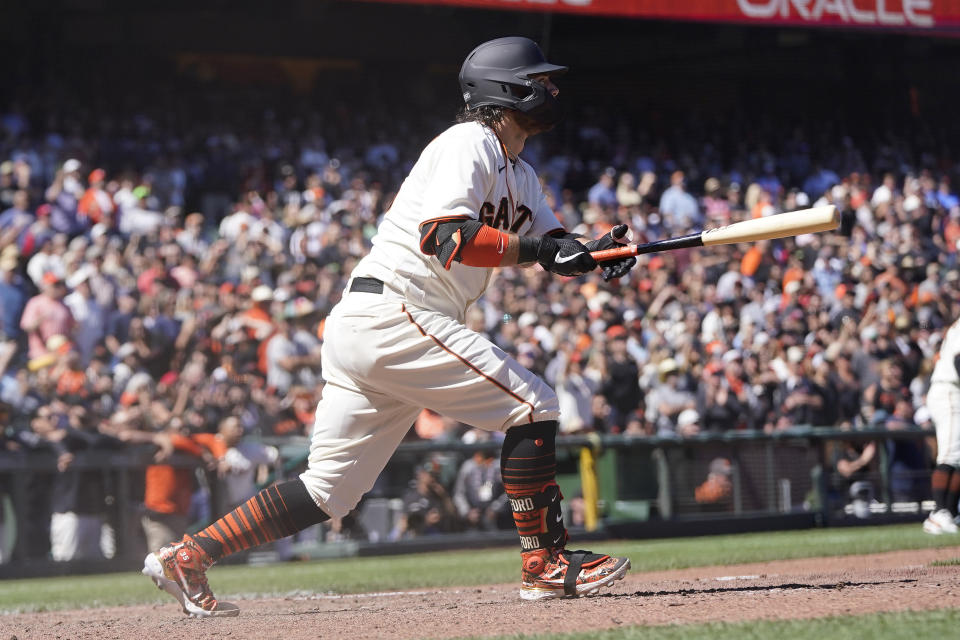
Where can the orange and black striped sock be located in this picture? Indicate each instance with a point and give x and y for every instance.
(276, 512)
(528, 463)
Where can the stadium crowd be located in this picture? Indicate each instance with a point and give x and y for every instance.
(164, 280)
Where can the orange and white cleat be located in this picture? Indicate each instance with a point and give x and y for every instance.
(559, 573)
(180, 569)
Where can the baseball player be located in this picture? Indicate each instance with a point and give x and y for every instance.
(943, 402)
(397, 341)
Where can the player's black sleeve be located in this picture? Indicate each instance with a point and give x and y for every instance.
(445, 238)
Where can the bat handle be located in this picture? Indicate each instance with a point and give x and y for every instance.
(616, 253)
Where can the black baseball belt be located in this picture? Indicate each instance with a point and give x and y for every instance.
(366, 285)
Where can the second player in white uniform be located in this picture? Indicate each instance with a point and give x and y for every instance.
(397, 343)
(943, 402)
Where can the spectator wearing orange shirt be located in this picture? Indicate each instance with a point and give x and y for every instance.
(891, 276)
(169, 489)
(256, 319)
(96, 204)
(72, 380)
(764, 205)
(951, 231)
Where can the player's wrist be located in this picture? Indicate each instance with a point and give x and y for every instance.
(529, 248)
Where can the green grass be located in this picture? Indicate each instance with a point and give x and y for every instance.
(353, 575)
(911, 624)
(952, 562)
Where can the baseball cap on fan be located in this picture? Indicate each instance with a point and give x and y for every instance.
(666, 367)
(261, 293)
(688, 417)
(79, 276)
(731, 355)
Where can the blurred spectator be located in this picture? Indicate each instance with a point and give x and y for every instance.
(169, 489)
(87, 313)
(292, 353)
(479, 495)
(627, 194)
(575, 392)
(621, 383)
(678, 208)
(907, 460)
(667, 400)
(64, 195)
(718, 408)
(45, 315)
(716, 207)
(688, 423)
(12, 301)
(798, 398)
(427, 506)
(880, 398)
(717, 490)
(853, 461)
(240, 461)
(602, 194)
(15, 220)
(96, 205)
(80, 497)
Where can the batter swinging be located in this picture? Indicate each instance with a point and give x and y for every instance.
(943, 401)
(397, 342)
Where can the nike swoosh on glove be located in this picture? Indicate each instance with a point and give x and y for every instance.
(612, 268)
(564, 257)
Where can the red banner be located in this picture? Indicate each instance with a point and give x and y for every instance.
(912, 15)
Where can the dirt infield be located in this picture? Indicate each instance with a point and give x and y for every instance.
(806, 588)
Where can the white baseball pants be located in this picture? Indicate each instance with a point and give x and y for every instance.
(384, 361)
(943, 401)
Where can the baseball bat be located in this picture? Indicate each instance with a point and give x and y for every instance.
(793, 223)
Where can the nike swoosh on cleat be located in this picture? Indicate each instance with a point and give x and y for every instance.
(562, 259)
(559, 517)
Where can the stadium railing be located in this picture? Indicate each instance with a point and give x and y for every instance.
(628, 486)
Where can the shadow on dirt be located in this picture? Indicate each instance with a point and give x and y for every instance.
(794, 586)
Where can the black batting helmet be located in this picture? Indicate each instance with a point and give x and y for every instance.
(499, 73)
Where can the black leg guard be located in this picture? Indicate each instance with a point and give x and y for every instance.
(529, 467)
(528, 460)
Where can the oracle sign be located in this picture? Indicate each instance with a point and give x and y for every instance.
(914, 13)
(941, 17)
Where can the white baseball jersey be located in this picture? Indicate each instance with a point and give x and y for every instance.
(388, 355)
(463, 173)
(943, 398)
(945, 370)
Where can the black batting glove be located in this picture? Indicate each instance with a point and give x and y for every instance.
(557, 255)
(612, 268)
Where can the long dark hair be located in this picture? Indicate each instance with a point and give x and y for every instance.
(490, 115)
(487, 115)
